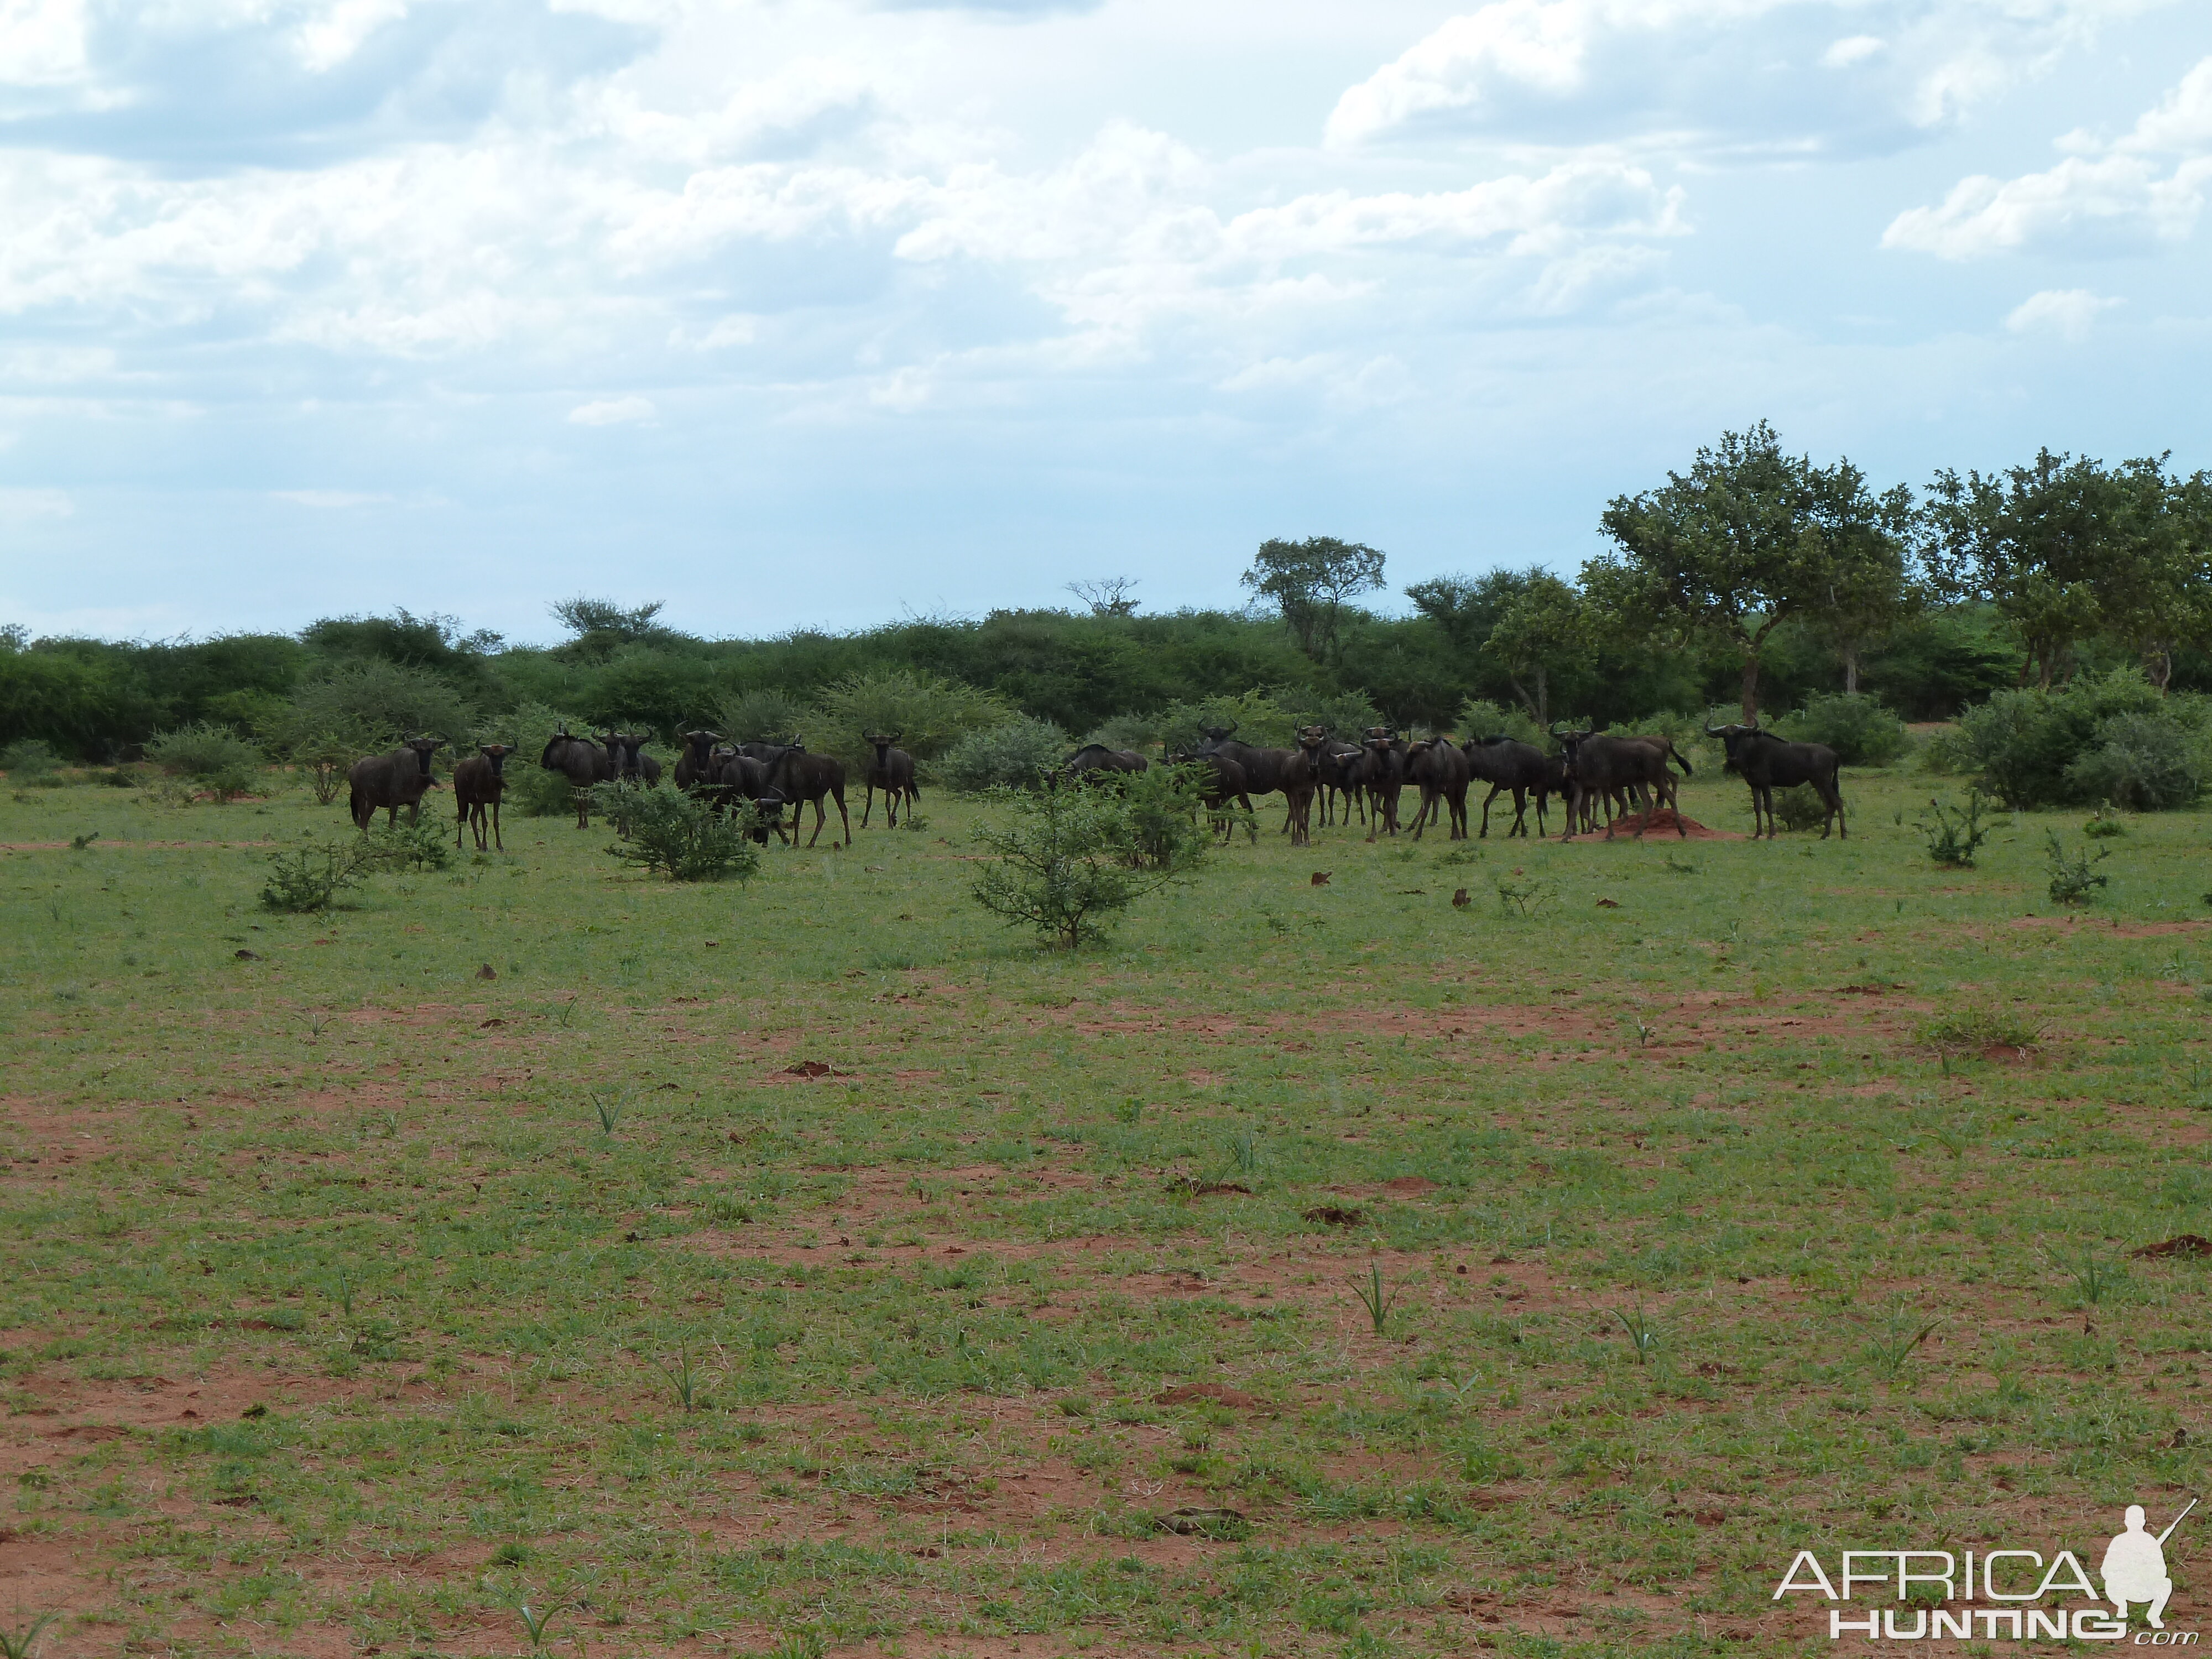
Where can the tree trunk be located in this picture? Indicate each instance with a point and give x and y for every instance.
(1527, 701)
(1851, 671)
(1543, 699)
(1750, 687)
(2158, 664)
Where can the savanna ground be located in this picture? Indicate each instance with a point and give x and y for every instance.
(353, 1297)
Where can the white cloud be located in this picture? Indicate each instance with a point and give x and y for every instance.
(2101, 199)
(42, 42)
(612, 411)
(1724, 75)
(1852, 49)
(331, 499)
(329, 38)
(2066, 312)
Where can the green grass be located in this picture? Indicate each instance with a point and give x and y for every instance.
(569, 1291)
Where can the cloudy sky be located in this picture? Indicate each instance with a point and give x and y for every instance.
(823, 312)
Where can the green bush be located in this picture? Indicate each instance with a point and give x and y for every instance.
(1479, 719)
(2019, 745)
(1008, 756)
(32, 763)
(1957, 833)
(421, 845)
(1140, 732)
(213, 759)
(1857, 728)
(677, 834)
(1162, 808)
(1345, 714)
(1258, 718)
(929, 714)
(310, 878)
(1800, 807)
(2074, 877)
(1067, 864)
(2143, 762)
(766, 715)
(370, 705)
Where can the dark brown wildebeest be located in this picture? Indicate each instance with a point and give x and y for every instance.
(392, 782)
(1096, 763)
(583, 762)
(1223, 781)
(696, 767)
(1525, 770)
(1292, 772)
(1440, 771)
(1380, 773)
(1339, 762)
(1601, 768)
(891, 770)
(631, 764)
(744, 780)
(801, 777)
(478, 783)
(1767, 763)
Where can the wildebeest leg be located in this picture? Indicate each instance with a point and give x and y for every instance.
(868, 805)
(840, 793)
(1833, 797)
(1458, 805)
(496, 840)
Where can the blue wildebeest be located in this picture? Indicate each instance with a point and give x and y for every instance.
(1604, 768)
(1767, 763)
(890, 770)
(392, 782)
(479, 782)
(1436, 766)
(1505, 764)
(1292, 772)
(801, 777)
(1096, 763)
(583, 762)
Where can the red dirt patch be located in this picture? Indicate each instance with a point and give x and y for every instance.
(1665, 820)
(2184, 1246)
(1214, 1391)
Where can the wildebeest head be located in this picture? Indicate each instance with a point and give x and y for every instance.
(555, 745)
(700, 745)
(1314, 740)
(425, 747)
(1735, 739)
(883, 742)
(1215, 736)
(496, 754)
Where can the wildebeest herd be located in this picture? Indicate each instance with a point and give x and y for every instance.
(1594, 772)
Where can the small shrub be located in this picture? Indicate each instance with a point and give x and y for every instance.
(1956, 833)
(2104, 823)
(310, 878)
(2144, 762)
(1527, 897)
(418, 846)
(1856, 726)
(1800, 807)
(1007, 757)
(930, 714)
(1165, 829)
(677, 834)
(1983, 1025)
(2074, 876)
(1067, 864)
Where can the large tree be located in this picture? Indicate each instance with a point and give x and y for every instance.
(1311, 581)
(1541, 625)
(2034, 542)
(1746, 540)
(2155, 589)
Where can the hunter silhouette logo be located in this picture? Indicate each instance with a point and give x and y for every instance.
(2026, 1591)
(2134, 1567)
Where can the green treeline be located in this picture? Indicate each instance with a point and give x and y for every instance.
(1755, 580)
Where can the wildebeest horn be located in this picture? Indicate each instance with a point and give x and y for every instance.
(1554, 727)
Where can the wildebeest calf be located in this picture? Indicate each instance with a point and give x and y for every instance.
(584, 764)
(891, 770)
